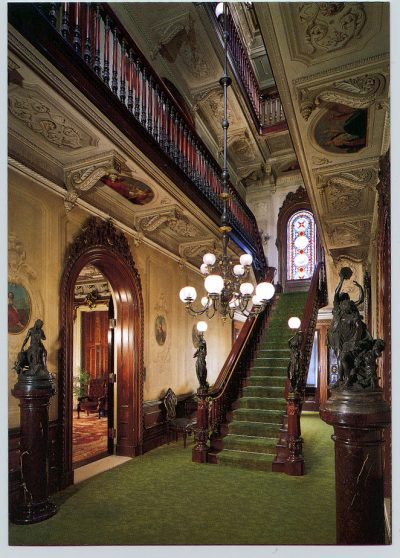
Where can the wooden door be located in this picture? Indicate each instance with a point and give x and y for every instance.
(95, 343)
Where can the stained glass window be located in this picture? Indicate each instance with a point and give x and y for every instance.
(300, 245)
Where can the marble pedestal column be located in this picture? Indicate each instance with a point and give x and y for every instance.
(358, 418)
(34, 396)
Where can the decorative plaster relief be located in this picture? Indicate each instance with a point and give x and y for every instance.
(356, 92)
(346, 192)
(351, 232)
(242, 148)
(19, 271)
(82, 177)
(279, 143)
(193, 250)
(32, 107)
(167, 218)
(331, 25)
(211, 102)
(318, 31)
(179, 39)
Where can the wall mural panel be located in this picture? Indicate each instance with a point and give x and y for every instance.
(19, 308)
(342, 129)
(133, 190)
(160, 329)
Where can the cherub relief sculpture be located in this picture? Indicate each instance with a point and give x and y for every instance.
(353, 345)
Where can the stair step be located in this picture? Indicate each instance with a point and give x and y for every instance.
(258, 415)
(267, 429)
(253, 444)
(267, 381)
(272, 403)
(269, 371)
(247, 460)
(263, 391)
(271, 361)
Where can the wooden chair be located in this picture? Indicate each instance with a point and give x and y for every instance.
(95, 400)
(183, 425)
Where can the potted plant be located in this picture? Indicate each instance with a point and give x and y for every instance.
(81, 382)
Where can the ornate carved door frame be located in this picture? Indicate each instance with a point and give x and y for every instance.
(101, 245)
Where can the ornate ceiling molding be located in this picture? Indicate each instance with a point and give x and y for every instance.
(83, 176)
(356, 254)
(193, 250)
(356, 92)
(167, 218)
(178, 38)
(349, 233)
(31, 106)
(321, 31)
(355, 179)
(331, 26)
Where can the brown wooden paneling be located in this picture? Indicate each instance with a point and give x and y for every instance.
(94, 348)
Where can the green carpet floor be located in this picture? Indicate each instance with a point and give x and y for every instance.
(163, 498)
(257, 417)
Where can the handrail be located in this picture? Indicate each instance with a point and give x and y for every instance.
(316, 298)
(265, 106)
(289, 458)
(96, 36)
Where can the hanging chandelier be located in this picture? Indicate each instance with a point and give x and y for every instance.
(227, 291)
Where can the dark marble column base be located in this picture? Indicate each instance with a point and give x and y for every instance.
(358, 418)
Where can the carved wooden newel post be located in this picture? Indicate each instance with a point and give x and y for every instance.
(358, 414)
(295, 461)
(201, 449)
(33, 389)
(294, 464)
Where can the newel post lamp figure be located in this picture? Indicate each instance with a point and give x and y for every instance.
(200, 450)
(228, 290)
(295, 461)
(33, 389)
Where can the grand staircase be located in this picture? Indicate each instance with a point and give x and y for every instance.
(255, 422)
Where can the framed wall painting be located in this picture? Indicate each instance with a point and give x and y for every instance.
(19, 308)
(160, 328)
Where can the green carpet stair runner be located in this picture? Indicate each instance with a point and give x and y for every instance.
(257, 416)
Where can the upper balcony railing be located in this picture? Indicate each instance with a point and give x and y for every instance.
(265, 106)
(99, 39)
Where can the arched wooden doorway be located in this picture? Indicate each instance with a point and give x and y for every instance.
(101, 245)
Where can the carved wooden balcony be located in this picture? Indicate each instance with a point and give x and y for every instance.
(90, 46)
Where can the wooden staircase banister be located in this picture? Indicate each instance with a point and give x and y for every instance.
(229, 381)
(289, 458)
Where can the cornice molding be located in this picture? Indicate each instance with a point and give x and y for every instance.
(369, 63)
(136, 236)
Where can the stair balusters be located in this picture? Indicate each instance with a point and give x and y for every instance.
(113, 56)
